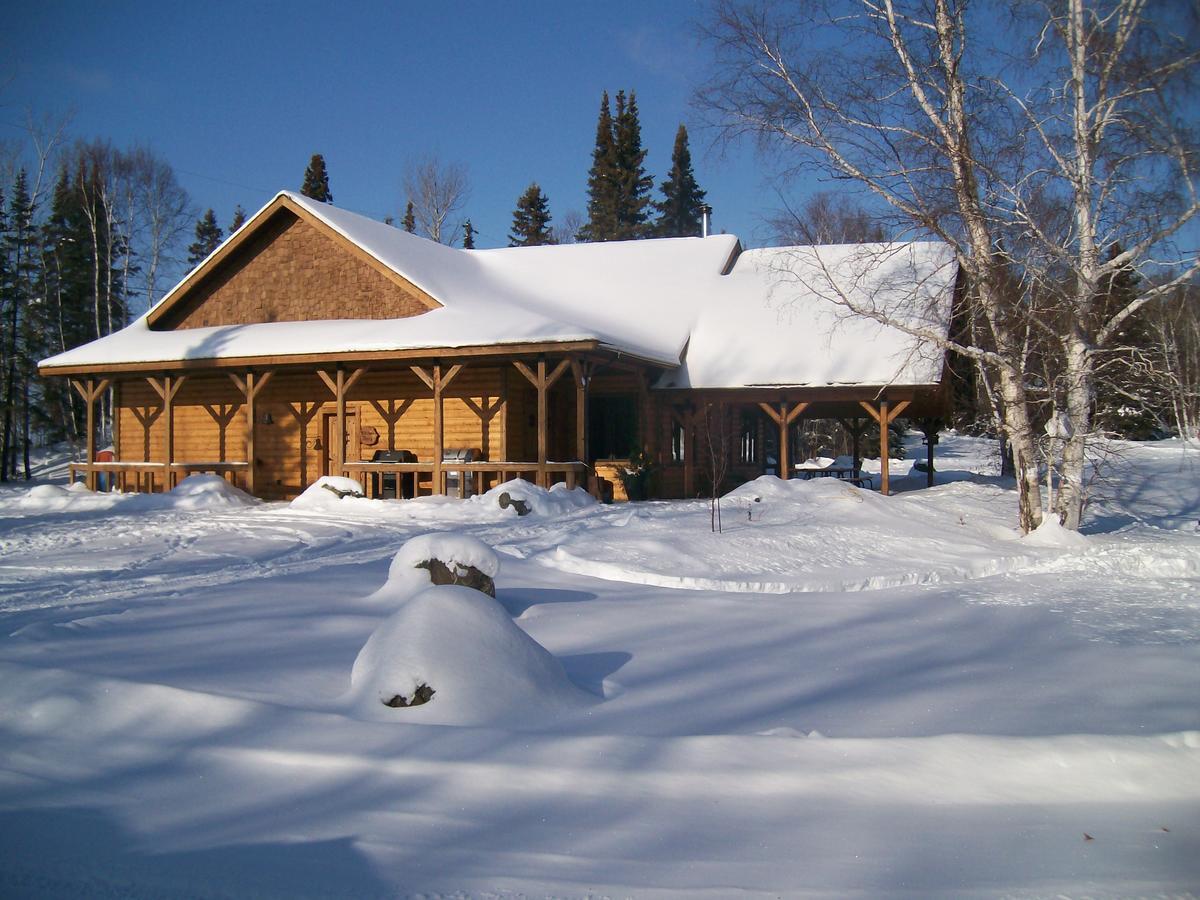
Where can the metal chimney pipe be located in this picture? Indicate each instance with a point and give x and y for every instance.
(705, 212)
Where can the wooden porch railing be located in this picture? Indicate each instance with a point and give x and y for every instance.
(143, 474)
(573, 473)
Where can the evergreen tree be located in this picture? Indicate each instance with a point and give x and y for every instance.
(208, 238)
(679, 211)
(410, 218)
(1129, 401)
(64, 319)
(633, 184)
(18, 249)
(316, 180)
(469, 233)
(239, 219)
(531, 219)
(602, 181)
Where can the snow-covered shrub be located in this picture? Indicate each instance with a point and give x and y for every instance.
(327, 491)
(460, 650)
(207, 492)
(557, 501)
(456, 558)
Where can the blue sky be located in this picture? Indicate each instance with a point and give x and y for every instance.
(238, 96)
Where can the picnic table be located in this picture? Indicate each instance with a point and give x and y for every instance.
(846, 473)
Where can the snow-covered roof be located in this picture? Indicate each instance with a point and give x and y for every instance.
(675, 301)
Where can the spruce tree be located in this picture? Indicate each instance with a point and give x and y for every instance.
(17, 246)
(469, 233)
(602, 181)
(65, 317)
(679, 211)
(316, 180)
(531, 219)
(208, 238)
(633, 184)
(410, 218)
(239, 219)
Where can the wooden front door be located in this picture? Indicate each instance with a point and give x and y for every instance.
(329, 440)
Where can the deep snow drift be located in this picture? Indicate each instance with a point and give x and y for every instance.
(841, 695)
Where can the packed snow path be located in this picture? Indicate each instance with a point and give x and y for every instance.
(836, 697)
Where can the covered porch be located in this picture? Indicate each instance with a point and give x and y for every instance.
(738, 435)
(439, 422)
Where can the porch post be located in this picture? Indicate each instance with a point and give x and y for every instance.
(582, 377)
(884, 450)
(884, 417)
(251, 391)
(340, 384)
(541, 423)
(91, 432)
(784, 419)
(543, 383)
(250, 386)
(166, 392)
(437, 380)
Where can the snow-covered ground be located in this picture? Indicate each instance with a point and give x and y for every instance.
(841, 695)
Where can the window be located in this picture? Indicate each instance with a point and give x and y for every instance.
(678, 440)
(612, 427)
(748, 444)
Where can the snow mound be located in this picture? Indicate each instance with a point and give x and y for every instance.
(457, 551)
(1051, 534)
(207, 492)
(558, 501)
(46, 496)
(482, 667)
(799, 491)
(317, 496)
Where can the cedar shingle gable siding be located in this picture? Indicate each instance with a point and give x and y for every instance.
(289, 271)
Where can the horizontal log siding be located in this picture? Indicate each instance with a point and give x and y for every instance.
(285, 468)
(291, 272)
(198, 436)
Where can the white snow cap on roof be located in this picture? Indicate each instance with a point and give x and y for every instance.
(673, 301)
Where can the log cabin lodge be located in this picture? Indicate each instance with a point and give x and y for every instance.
(316, 341)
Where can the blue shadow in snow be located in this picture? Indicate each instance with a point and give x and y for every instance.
(588, 670)
(81, 852)
(517, 600)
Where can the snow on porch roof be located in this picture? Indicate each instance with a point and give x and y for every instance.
(673, 301)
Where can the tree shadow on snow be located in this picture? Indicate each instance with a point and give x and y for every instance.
(588, 671)
(517, 600)
(77, 852)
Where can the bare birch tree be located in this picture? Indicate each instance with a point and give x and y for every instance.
(1029, 143)
(438, 191)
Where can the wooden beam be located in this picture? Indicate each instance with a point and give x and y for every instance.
(784, 417)
(250, 385)
(339, 458)
(771, 413)
(871, 411)
(541, 422)
(557, 373)
(582, 372)
(439, 434)
(353, 377)
(897, 409)
(884, 462)
(251, 392)
(306, 361)
(330, 381)
(524, 370)
(426, 377)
